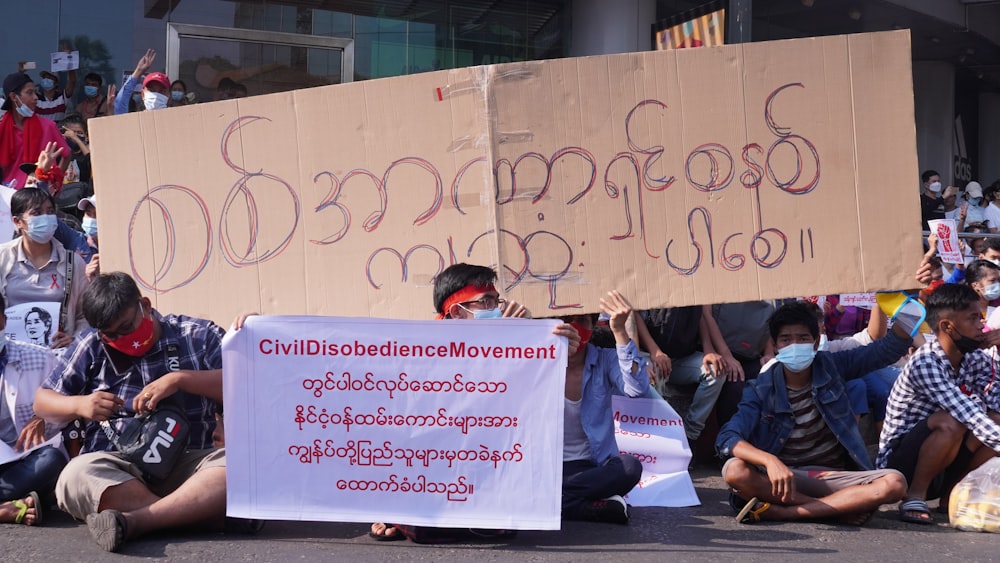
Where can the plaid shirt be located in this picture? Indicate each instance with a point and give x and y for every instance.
(929, 384)
(86, 367)
(23, 366)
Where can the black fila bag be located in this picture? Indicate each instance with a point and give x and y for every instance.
(153, 441)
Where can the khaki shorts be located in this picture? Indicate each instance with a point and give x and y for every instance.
(84, 480)
(818, 482)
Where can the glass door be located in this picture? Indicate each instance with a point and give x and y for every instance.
(219, 62)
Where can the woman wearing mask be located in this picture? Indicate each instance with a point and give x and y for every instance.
(22, 133)
(973, 211)
(178, 94)
(37, 268)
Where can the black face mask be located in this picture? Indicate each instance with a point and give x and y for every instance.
(965, 344)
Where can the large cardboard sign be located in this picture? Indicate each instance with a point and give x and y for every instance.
(691, 176)
(437, 423)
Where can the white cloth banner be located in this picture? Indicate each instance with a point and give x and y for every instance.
(434, 423)
(653, 432)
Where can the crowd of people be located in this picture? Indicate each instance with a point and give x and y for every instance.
(788, 382)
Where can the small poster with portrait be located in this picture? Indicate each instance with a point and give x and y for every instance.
(36, 322)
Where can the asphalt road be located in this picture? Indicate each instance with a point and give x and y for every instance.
(703, 533)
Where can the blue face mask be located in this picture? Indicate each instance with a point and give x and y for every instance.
(176, 95)
(24, 111)
(89, 225)
(48, 84)
(991, 291)
(824, 343)
(796, 357)
(487, 314)
(90, 91)
(42, 227)
(975, 201)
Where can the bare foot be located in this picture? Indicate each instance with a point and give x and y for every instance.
(9, 511)
(384, 532)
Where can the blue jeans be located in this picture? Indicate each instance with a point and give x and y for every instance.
(857, 394)
(37, 471)
(687, 371)
(879, 384)
(585, 481)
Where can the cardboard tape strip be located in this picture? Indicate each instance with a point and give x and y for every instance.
(521, 71)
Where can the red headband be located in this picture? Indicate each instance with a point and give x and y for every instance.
(467, 293)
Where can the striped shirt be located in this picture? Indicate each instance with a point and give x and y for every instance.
(811, 441)
(54, 109)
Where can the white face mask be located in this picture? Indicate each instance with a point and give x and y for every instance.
(152, 100)
(935, 187)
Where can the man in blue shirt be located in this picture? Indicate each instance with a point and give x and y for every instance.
(796, 451)
(595, 475)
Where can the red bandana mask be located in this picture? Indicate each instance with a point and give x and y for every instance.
(137, 342)
(585, 333)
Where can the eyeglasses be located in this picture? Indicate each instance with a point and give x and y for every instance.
(483, 303)
(126, 329)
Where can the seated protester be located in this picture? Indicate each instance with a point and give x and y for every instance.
(681, 351)
(36, 268)
(983, 277)
(975, 246)
(744, 345)
(595, 476)
(991, 251)
(53, 101)
(465, 292)
(155, 87)
(973, 209)
(94, 103)
(74, 129)
(72, 239)
(125, 368)
(857, 389)
(942, 421)
(27, 482)
(797, 453)
(23, 134)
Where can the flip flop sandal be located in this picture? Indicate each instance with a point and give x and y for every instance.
(752, 511)
(915, 505)
(397, 535)
(22, 509)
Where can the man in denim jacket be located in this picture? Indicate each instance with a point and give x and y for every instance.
(796, 450)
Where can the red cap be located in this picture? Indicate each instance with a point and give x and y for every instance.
(157, 77)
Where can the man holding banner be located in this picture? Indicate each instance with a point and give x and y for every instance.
(464, 291)
(795, 450)
(595, 475)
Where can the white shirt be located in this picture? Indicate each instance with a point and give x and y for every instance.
(575, 443)
(992, 214)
